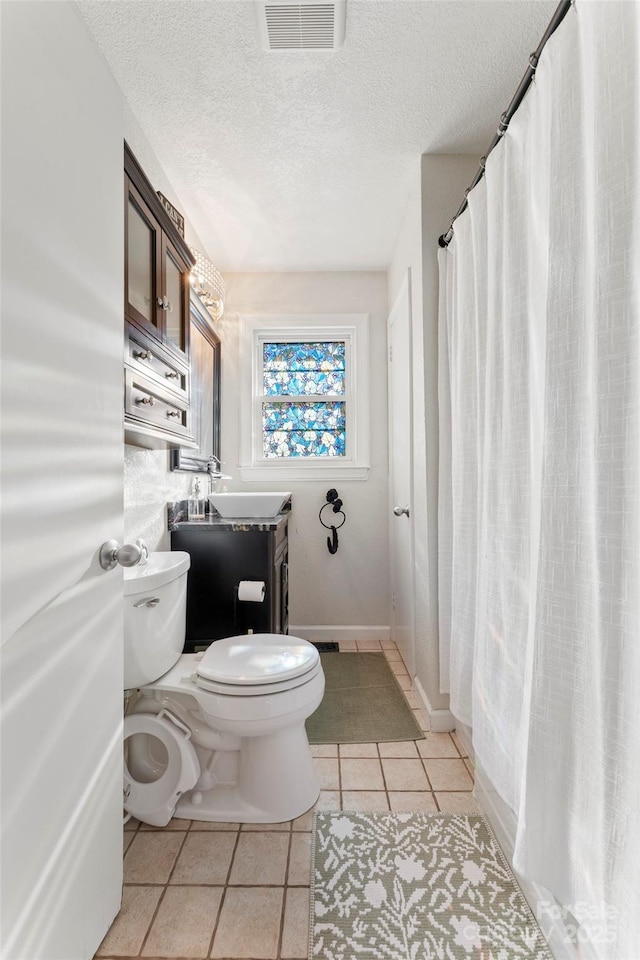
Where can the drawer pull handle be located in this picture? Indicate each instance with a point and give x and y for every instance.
(146, 400)
(173, 375)
(174, 413)
(143, 355)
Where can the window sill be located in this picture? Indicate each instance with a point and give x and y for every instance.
(307, 471)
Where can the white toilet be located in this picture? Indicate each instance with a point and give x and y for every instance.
(215, 736)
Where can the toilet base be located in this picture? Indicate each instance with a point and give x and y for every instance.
(276, 782)
(242, 779)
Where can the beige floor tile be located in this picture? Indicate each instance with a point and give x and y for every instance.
(369, 646)
(405, 775)
(408, 801)
(457, 803)
(365, 801)
(348, 646)
(305, 822)
(437, 745)
(132, 824)
(281, 827)
(127, 840)
(361, 775)
(205, 858)
(412, 700)
(327, 770)
(469, 765)
(448, 775)
(405, 682)
(260, 858)
(363, 750)
(422, 721)
(324, 749)
(401, 748)
(300, 860)
(295, 933)
(392, 652)
(128, 930)
(328, 800)
(151, 857)
(459, 744)
(398, 667)
(211, 825)
(249, 924)
(184, 923)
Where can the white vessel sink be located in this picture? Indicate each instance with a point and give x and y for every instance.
(238, 505)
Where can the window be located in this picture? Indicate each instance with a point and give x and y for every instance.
(312, 421)
(304, 397)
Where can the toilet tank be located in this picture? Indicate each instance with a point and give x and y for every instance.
(155, 607)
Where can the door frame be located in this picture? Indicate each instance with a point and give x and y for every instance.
(404, 292)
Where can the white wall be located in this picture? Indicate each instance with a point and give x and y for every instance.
(351, 587)
(438, 188)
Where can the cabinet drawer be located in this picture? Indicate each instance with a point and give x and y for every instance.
(146, 401)
(148, 359)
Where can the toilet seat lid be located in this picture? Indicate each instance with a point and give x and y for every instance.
(259, 658)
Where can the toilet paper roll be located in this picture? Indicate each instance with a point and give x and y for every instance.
(251, 590)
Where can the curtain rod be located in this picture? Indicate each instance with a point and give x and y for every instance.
(561, 11)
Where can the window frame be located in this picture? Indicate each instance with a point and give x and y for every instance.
(353, 329)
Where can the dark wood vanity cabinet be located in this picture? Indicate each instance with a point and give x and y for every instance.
(156, 308)
(222, 554)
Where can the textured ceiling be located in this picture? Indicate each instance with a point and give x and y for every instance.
(302, 160)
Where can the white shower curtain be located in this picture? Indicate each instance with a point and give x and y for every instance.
(540, 473)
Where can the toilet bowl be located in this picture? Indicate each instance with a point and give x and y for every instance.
(217, 736)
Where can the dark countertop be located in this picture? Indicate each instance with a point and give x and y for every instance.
(177, 516)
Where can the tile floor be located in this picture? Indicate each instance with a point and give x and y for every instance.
(229, 891)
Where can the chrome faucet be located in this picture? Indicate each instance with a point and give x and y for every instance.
(215, 475)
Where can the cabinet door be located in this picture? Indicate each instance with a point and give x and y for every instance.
(175, 289)
(143, 250)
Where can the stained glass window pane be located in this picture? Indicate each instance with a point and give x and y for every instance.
(304, 429)
(304, 369)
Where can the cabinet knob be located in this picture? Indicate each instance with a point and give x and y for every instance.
(174, 413)
(173, 375)
(164, 303)
(146, 400)
(143, 355)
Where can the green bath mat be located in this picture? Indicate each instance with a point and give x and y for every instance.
(415, 886)
(363, 702)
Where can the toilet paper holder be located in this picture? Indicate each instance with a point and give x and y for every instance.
(251, 591)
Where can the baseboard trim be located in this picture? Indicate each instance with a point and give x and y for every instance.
(440, 720)
(337, 633)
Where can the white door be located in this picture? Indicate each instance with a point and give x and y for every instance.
(401, 473)
(62, 455)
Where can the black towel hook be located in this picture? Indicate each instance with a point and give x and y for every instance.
(332, 541)
(333, 501)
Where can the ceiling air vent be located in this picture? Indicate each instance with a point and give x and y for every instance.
(306, 25)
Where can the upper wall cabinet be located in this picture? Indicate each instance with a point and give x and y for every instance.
(156, 307)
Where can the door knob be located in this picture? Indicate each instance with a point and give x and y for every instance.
(127, 555)
(398, 511)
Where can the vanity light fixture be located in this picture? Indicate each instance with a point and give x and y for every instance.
(207, 282)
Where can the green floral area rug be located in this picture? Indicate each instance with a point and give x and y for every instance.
(415, 886)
